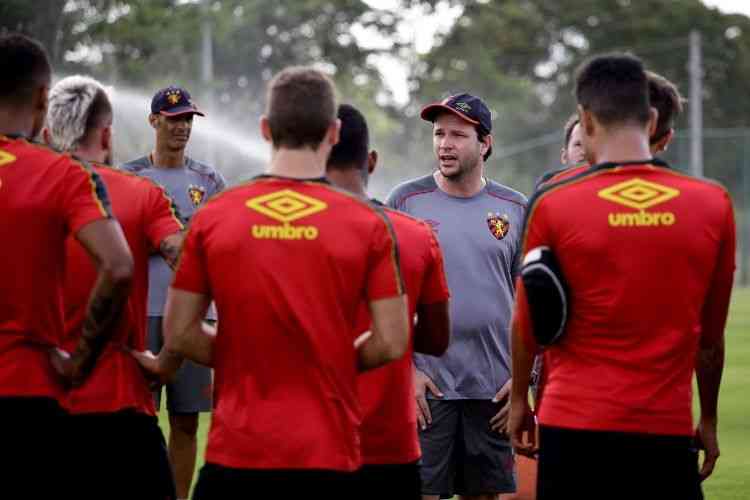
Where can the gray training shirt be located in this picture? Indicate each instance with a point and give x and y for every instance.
(190, 186)
(481, 240)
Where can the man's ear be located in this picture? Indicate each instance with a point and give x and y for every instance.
(41, 100)
(653, 120)
(487, 143)
(106, 138)
(46, 136)
(564, 156)
(334, 132)
(586, 119)
(153, 120)
(265, 129)
(663, 143)
(372, 161)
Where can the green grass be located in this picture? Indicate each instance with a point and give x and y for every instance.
(731, 478)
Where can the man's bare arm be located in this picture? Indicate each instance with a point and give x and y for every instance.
(185, 332)
(708, 370)
(521, 420)
(170, 248)
(432, 332)
(107, 246)
(390, 333)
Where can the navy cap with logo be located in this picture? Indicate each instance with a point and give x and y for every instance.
(173, 101)
(467, 107)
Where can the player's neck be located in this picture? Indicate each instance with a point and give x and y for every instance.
(91, 154)
(14, 122)
(165, 158)
(347, 179)
(465, 187)
(623, 145)
(298, 163)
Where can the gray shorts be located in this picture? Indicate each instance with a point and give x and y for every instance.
(191, 391)
(461, 454)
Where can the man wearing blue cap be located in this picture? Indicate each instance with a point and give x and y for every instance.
(190, 183)
(462, 397)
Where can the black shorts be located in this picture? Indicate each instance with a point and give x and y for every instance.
(32, 443)
(461, 454)
(217, 482)
(119, 455)
(615, 465)
(391, 481)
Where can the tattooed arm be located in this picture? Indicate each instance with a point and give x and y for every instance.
(107, 246)
(170, 248)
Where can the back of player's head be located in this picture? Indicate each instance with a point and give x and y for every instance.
(25, 69)
(354, 140)
(667, 100)
(614, 89)
(300, 107)
(569, 126)
(77, 105)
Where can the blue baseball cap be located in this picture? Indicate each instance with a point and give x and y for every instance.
(466, 106)
(173, 101)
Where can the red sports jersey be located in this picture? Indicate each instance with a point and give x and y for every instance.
(147, 216)
(389, 424)
(648, 254)
(288, 264)
(44, 197)
(560, 175)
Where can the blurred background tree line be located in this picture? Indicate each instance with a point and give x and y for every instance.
(519, 55)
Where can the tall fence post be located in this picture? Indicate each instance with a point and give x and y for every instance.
(744, 218)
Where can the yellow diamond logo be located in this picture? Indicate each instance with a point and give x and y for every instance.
(639, 194)
(6, 158)
(286, 205)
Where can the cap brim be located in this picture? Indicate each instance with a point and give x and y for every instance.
(430, 112)
(181, 111)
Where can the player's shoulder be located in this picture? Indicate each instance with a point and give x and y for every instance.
(707, 190)
(137, 166)
(702, 183)
(126, 177)
(413, 187)
(547, 177)
(201, 168)
(558, 175)
(506, 193)
(40, 154)
(404, 218)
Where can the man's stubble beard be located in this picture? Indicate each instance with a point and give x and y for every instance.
(464, 169)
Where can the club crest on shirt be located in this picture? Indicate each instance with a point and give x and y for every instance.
(499, 225)
(197, 194)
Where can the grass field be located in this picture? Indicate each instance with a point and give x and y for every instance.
(731, 479)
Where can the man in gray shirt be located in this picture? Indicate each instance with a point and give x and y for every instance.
(462, 397)
(190, 184)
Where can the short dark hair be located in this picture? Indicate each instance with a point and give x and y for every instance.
(573, 120)
(25, 68)
(300, 106)
(667, 100)
(480, 136)
(614, 89)
(354, 140)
